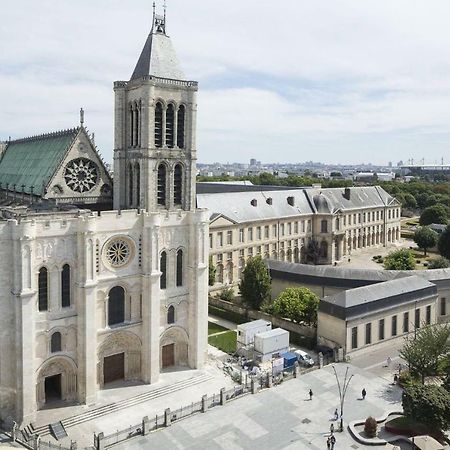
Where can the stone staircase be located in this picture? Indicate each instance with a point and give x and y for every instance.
(101, 411)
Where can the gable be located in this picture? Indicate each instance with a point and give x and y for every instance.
(81, 176)
(221, 221)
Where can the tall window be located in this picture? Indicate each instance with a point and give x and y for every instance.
(163, 269)
(428, 315)
(417, 318)
(229, 237)
(324, 249)
(171, 314)
(324, 226)
(130, 185)
(158, 124)
(170, 116)
(443, 309)
(355, 337)
(381, 329)
(137, 176)
(162, 184)
(180, 126)
(116, 306)
(43, 289)
(405, 322)
(394, 326)
(131, 125)
(65, 286)
(178, 184)
(368, 333)
(241, 235)
(179, 268)
(55, 342)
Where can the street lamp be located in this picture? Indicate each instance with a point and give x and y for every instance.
(342, 392)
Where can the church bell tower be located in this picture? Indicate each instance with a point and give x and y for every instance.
(155, 130)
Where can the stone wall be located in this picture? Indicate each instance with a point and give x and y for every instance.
(252, 314)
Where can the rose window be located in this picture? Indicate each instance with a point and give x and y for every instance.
(118, 252)
(81, 175)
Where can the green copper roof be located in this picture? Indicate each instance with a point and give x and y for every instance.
(33, 161)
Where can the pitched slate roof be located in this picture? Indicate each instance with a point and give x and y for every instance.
(329, 200)
(31, 162)
(158, 57)
(237, 206)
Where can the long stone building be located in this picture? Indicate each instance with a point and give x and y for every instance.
(308, 225)
(88, 298)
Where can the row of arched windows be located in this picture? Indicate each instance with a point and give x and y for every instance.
(163, 266)
(43, 288)
(169, 125)
(162, 185)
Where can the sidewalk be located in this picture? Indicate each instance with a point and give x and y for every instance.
(222, 322)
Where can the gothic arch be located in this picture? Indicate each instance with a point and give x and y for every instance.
(178, 338)
(121, 342)
(57, 365)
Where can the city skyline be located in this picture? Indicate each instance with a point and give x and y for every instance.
(339, 83)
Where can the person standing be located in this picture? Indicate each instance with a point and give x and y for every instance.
(336, 414)
(310, 394)
(329, 443)
(363, 393)
(332, 442)
(331, 429)
(388, 361)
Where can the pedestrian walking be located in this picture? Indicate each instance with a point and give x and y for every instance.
(388, 361)
(363, 393)
(332, 429)
(395, 378)
(336, 414)
(310, 394)
(329, 443)
(332, 442)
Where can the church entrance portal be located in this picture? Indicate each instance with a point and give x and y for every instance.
(114, 368)
(168, 355)
(53, 388)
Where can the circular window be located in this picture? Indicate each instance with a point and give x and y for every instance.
(118, 252)
(81, 175)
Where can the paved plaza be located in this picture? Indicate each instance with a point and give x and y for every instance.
(282, 417)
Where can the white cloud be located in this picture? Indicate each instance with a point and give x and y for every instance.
(331, 78)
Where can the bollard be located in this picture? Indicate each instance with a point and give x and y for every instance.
(204, 403)
(269, 381)
(254, 387)
(296, 370)
(223, 398)
(100, 441)
(167, 418)
(145, 425)
(320, 360)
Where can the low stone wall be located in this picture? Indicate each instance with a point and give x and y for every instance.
(252, 314)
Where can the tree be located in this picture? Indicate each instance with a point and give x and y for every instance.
(211, 272)
(297, 304)
(439, 263)
(255, 282)
(434, 214)
(313, 251)
(426, 349)
(370, 427)
(409, 201)
(400, 260)
(427, 404)
(444, 243)
(425, 238)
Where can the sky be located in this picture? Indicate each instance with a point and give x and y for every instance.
(336, 81)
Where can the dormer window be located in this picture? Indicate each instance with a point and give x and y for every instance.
(269, 201)
(291, 201)
(254, 202)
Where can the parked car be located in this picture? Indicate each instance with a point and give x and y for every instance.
(304, 358)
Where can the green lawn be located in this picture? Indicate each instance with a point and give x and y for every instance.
(225, 341)
(215, 328)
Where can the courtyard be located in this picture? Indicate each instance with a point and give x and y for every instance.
(283, 417)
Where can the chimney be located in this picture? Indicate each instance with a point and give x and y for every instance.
(347, 193)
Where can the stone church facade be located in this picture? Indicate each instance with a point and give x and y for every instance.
(88, 298)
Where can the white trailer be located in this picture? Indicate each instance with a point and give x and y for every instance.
(271, 344)
(246, 331)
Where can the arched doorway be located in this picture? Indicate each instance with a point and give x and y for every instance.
(56, 381)
(174, 348)
(119, 358)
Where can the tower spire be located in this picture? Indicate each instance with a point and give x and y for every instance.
(81, 116)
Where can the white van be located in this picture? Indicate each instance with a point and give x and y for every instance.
(304, 358)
